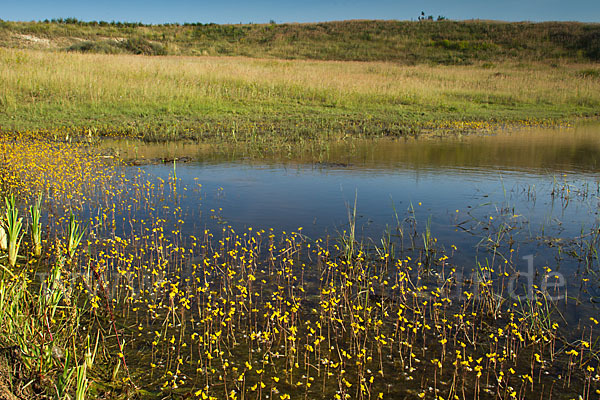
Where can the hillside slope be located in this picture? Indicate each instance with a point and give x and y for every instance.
(406, 42)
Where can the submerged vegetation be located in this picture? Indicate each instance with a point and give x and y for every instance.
(128, 298)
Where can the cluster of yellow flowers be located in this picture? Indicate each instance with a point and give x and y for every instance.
(258, 313)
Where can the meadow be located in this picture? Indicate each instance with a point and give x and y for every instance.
(239, 99)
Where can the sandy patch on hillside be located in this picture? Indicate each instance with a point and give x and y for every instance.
(33, 39)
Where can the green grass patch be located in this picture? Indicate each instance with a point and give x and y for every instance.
(207, 97)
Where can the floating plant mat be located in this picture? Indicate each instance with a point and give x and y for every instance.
(465, 268)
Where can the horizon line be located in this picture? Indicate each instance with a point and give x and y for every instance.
(63, 20)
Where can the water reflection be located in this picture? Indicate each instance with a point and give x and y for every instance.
(531, 150)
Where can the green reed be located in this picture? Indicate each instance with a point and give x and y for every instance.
(74, 236)
(35, 212)
(13, 226)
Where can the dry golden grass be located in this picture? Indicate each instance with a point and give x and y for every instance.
(41, 89)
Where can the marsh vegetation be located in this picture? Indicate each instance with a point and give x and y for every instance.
(150, 284)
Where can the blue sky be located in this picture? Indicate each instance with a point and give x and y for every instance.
(235, 11)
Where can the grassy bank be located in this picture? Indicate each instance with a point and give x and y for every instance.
(445, 42)
(236, 98)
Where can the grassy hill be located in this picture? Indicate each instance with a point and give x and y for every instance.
(290, 81)
(406, 42)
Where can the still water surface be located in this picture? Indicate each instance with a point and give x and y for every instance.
(517, 169)
(534, 188)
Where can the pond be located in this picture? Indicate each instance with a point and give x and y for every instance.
(503, 228)
(545, 181)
